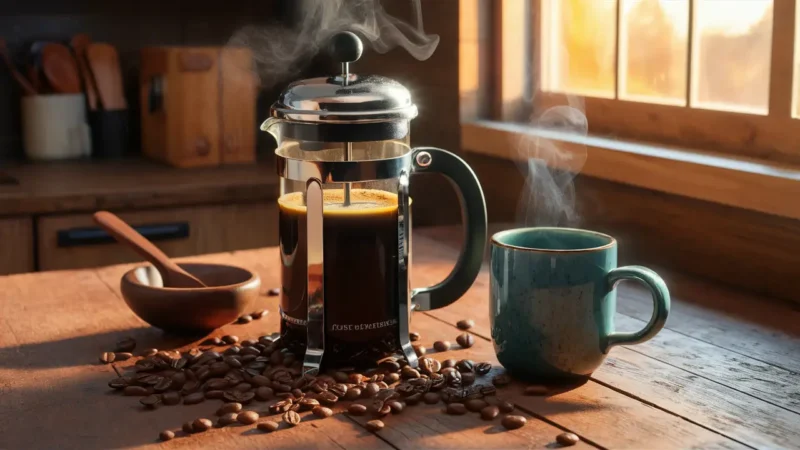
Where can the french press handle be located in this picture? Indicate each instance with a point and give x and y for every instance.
(473, 213)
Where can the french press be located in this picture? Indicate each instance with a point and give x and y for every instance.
(345, 164)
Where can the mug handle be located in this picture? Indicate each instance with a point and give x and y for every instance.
(473, 213)
(661, 303)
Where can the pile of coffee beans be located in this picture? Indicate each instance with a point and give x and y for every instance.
(242, 373)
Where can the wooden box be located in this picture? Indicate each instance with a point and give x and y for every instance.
(198, 105)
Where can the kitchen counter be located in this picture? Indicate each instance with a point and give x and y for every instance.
(57, 187)
(723, 373)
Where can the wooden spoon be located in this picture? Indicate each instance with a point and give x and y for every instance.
(79, 43)
(60, 69)
(21, 80)
(104, 62)
(171, 274)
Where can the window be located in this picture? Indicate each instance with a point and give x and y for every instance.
(719, 75)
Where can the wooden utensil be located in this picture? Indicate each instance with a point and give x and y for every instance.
(232, 292)
(79, 43)
(171, 274)
(21, 80)
(104, 63)
(60, 69)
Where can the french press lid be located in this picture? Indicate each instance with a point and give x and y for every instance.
(346, 107)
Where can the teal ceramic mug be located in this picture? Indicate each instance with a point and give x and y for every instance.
(553, 301)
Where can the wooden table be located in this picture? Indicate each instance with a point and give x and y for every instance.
(722, 374)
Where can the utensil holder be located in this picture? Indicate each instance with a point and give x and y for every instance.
(110, 133)
(54, 127)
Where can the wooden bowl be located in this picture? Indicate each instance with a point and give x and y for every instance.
(231, 292)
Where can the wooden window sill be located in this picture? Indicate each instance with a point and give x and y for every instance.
(772, 188)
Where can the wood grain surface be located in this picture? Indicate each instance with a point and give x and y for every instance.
(130, 184)
(16, 242)
(54, 325)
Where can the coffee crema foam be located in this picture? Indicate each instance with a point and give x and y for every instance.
(362, 201)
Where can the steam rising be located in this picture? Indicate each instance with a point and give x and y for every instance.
(548, 197)
(281, 52)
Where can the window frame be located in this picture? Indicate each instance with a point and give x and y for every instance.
(769, 137)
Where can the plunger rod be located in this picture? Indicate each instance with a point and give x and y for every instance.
(348, 155)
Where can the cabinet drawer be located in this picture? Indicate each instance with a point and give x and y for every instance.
(16, 245)
(74, 241)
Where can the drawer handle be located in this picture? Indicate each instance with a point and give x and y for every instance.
(76, 237)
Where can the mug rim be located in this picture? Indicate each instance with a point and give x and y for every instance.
(500, 234)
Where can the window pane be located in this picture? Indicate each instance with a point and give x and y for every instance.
(731, 55)
(653, 50)
(578, 46)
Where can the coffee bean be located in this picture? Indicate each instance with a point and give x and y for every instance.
(242, 387)
(357, 409)
(408, 373)
(215, 394)
(482, 368)
(341, 377)
(171, 398)
(489, 412)
(465, 340)
(536, 390)
(264, 393)
(247, 417)
(259, 314)
(268, 426)
(166, 435)
(353, 393)
(419, 349)
(567, 439)
(228, 419)
(501, 380)
(414, 399)
(327, 398)
(107, 357)
(212, 341)
(441, 346)
(122, 356)
(429, 365)
(465, 324)
(244, 319)
(135, 391)
(475, 405)
(371, 390)
(126, 344)
(456, 409)
(274, 292)
(396, 406)
(506, 407)
(512, 422)
(187, 428)
(151, 401)
(413, 336)
(488, 390)
(201, 425)
(281, 406)
(322, 412)
(118, 383)
(339, 389)
(374, 425)
(230, 339)
(291, 418)
(465, 365)
(431, 398)
(239, 396)
(453, 378)
(229, 408)
(250, 351)
(392, 378)
(194, 398)
(149, 352)
(307, 404)
(467, 378)
(448, 363)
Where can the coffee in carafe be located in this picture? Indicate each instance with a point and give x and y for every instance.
(361, 301)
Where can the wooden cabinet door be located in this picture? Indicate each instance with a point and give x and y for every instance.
(16, 245)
